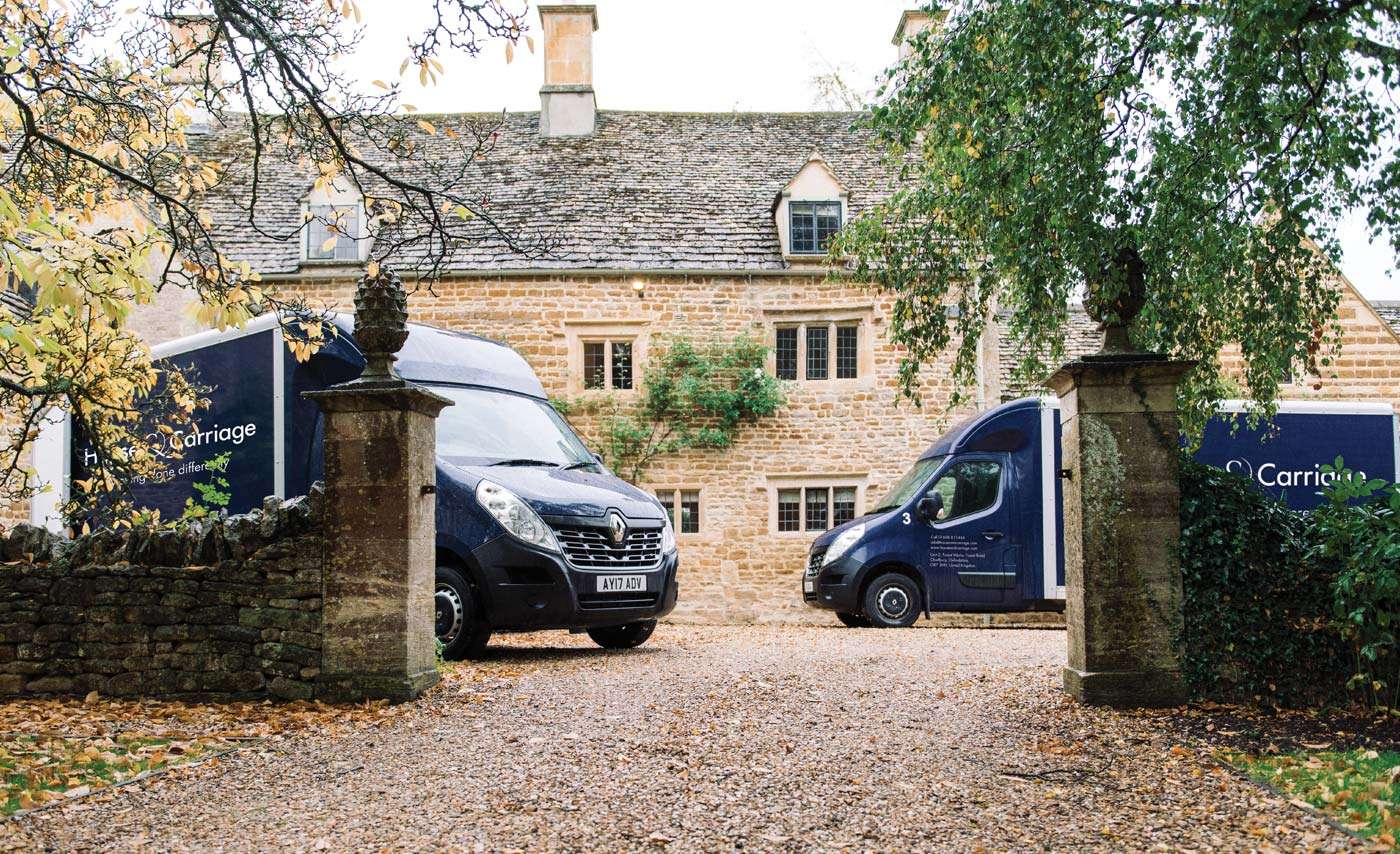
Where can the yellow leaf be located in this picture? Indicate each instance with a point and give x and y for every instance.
(372, 269)
(510, 53)
(329, 244)
(427, 126)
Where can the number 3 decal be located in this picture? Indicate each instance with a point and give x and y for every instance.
(906, 518)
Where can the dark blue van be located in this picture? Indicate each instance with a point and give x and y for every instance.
(533, 531)
(965, 529)
(975, 524)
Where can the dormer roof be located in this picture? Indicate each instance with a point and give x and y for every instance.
(814, 161)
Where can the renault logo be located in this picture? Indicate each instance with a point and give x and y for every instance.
(617, 527)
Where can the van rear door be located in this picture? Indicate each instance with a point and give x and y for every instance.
(972, 553)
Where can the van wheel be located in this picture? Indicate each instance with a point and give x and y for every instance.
(625, 636)
(457, 622)
(892, 601)
(855, 621)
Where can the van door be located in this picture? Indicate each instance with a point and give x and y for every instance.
(971, 557)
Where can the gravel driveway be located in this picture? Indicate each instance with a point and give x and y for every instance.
(766, 738)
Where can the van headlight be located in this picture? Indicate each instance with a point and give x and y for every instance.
(517, 517)
(844, 543)
(668, 538)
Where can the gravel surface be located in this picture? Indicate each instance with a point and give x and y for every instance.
(766, 738)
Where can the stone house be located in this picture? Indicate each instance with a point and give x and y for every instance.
(706, 226)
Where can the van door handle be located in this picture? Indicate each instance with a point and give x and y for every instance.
(992, 535)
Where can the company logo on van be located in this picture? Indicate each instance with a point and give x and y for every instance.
(1269, 474)
(617, 527)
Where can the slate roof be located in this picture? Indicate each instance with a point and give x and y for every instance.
(1082, 337)
(1389, 312)
(647, 191)
(16, 300)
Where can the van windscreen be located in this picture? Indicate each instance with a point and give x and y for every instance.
(484, 427)
(912, 481)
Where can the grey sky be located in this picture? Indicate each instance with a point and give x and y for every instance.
(713, 55)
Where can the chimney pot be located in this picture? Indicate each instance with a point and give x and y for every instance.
(568, 106)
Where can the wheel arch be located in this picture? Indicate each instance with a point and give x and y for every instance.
(448, 556)
(899, 568)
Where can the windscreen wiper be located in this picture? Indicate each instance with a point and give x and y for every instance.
(578, 464)
(525, 461)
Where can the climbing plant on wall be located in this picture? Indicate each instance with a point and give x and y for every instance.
(692, 397)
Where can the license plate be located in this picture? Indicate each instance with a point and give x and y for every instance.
(622, 583)
(809, 586)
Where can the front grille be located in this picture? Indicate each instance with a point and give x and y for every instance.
(814, 562)
(602, 601)
(593, 548)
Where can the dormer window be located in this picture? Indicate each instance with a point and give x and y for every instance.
(808, 212)
(813, 226)
(337, 229)
(333, 233)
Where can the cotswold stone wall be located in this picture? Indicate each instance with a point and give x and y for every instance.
(225, 609)
(11, 512)
(1367, 368)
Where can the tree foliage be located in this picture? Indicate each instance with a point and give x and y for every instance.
(1037, 139)
(691, 397)
(103, 187)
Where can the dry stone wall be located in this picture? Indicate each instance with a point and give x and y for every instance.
(226, 609)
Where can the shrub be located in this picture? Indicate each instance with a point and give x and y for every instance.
(1258, 622)
(1356, 538)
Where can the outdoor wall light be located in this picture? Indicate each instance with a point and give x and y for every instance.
(640, 287)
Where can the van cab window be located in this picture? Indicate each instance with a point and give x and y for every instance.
(485, 427)
(906, 486)
(968, 487)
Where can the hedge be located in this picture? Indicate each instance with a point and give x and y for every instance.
(1259, 622)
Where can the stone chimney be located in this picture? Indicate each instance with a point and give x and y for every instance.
(195, 65)
(190, 49)
(567, 105)
(911, 23)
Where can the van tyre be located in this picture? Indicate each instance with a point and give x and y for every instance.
(892, 601)
(625, 636)
(855, 621)
(457, 620)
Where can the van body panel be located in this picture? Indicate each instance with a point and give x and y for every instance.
(556, 492)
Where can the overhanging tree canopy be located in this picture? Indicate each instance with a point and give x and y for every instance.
(1039, 140)
(102, 187)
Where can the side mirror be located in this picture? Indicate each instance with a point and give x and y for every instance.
(599, 459)
(930, 506)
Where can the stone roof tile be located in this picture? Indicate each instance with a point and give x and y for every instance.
(647, 190)
(1082, 337)
(1389, 312)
